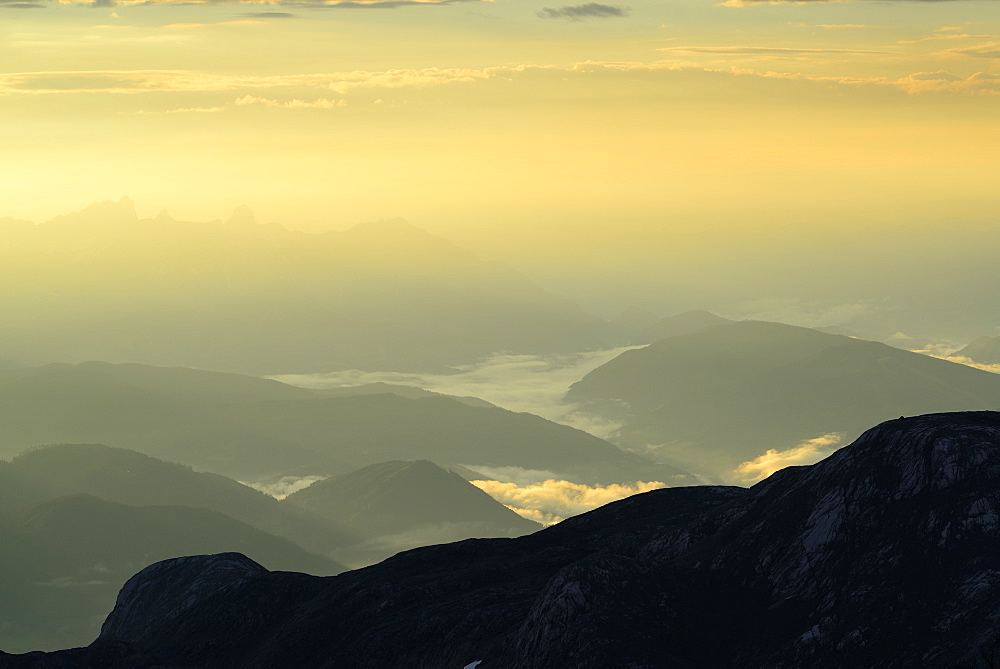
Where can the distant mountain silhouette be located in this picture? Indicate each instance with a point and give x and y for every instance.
(633, 320)
(711, 400)
(381, 388)
(127, 477)
(250, 428)
(984, 350)
(684, 323)
(64, 560)
(408, 504)
(881, 555)
(249, 297)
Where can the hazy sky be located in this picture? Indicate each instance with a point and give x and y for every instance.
(507, 121)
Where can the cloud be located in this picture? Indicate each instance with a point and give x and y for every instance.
(838, 26)
(184, 110)
(806, 453)
(987, 50)
(314, 4)
(980, 83)
(531, 383)
(511, 474)
(969, 362)
(182, 81)
(591, 10)
(132, 82)
(284, 486)
(768, 51)
(268, 15)
(945, 36)
(754, 3)
(238, 22)
(803, 314)
(322, 103)
(21, 5)
(551, 501)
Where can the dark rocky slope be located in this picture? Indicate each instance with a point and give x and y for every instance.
(884, 554)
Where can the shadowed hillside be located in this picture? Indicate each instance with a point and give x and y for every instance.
(65, 560)
(714, 399)
(881, 555)
(984, 350)
(127, 477)
(250, 428)
(405, 505)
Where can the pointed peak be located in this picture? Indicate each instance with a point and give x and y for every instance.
(164, 217)
(242, 217)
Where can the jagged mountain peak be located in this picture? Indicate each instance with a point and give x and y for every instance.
(108, 212)
(242, 216)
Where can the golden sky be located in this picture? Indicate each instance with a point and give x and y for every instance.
(531, 117)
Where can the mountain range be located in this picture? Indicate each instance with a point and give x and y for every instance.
(248, 297)
(78, 519)
(65, 559)
(250, 428)
(711, 400)
(127, 477)
(880, 555)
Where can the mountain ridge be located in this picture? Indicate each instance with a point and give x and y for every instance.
(841, 563)
(712, 400)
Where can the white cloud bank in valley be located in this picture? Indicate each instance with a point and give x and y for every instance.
(530, 383)
(551, 501)
(808, 452)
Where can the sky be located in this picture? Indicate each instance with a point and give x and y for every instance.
(513, 126)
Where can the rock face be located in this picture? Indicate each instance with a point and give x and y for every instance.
(886, 553)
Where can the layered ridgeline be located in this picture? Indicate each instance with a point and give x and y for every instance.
(78, 520)
(984, 350)
(64, 561)
(241, 296)
(250, 428)
(884, 553)
(127, 477)
(715, 399)
(404, 505)
(640, 326)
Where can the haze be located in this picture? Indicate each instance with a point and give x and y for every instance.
(323, 281)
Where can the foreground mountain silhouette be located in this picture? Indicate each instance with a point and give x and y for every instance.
(883, 554)
(714, 399)
(250, 428)
(241, 296)
(64, 561)
(406, 505)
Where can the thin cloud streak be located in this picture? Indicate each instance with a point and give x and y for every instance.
(590, 10)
